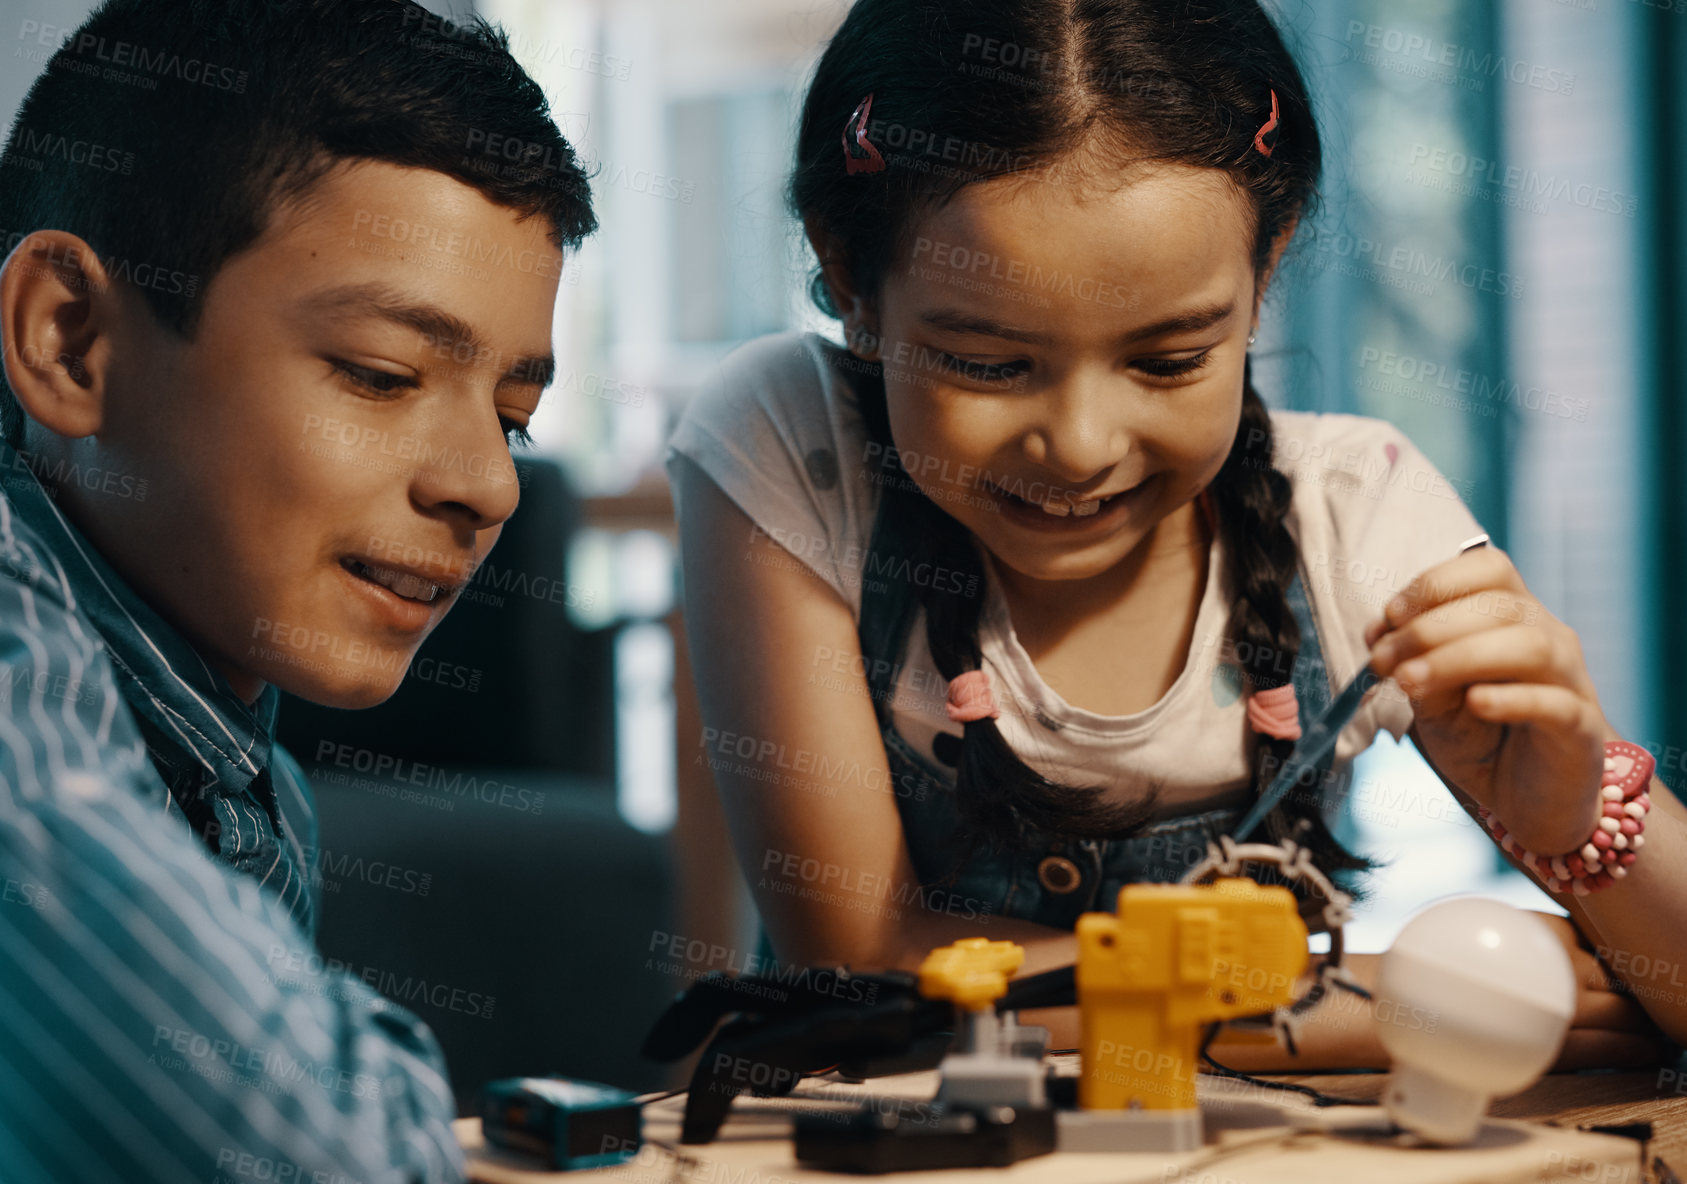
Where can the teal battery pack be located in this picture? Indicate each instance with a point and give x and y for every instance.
(568, 1124)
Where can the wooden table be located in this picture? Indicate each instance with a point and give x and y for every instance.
(1572, 1099)
(1249, 1141)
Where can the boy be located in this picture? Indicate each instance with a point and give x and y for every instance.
(278, 285)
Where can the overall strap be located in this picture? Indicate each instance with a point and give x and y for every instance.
(1312, 675)
(1313, 694)
(883, 628)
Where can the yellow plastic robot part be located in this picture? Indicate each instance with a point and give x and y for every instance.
(1174, 959)
(973, 972)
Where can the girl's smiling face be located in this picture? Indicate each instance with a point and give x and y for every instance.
(1056, 343)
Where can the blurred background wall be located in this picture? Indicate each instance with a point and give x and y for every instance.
(1499, 268)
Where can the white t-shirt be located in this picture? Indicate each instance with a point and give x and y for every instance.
(780, 433)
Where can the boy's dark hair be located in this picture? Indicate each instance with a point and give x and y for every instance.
(165, 132)
(968, 90)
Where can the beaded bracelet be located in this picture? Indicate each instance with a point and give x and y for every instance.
(1615, 843)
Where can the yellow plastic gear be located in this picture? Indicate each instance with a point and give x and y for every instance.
(972, 972)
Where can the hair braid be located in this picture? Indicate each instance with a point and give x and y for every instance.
(1136, 80)
(1002, 801)
(1253, 499)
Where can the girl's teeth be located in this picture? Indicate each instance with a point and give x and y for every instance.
(1077, 509)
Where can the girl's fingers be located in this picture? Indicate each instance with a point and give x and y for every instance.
(1487, 568)
(1528, 703)
(1487, 609)
(1612, 1012)
(1590, 1048)
(1609, 1027)
(1512, 653)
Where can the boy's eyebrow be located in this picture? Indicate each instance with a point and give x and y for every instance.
(443, 328)
(955, 321)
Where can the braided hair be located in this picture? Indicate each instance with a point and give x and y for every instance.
(1189, 82)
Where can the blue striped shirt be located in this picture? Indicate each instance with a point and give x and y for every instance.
(163, 1013)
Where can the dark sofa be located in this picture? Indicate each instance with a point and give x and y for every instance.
(474, 865)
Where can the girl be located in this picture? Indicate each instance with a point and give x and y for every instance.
(1026, 595)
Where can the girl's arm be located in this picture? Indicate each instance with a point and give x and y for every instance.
(824, 853)
(791, 737)
(1639, 925)
(1506, 713)
(1607, 1031)
(1637, 928)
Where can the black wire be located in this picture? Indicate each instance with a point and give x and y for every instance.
(674, 1093)
(1048, 988)
(1319, 1098)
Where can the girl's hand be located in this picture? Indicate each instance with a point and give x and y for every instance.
(1503, 703)
(1608, 1031)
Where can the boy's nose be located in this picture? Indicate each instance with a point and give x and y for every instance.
(472, 475)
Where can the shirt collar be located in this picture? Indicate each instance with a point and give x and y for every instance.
(163, 678)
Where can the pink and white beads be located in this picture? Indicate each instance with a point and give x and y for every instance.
(1616, 841)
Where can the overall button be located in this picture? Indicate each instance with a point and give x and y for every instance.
(1059, 874)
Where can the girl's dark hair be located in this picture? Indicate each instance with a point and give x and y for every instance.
(968, 90)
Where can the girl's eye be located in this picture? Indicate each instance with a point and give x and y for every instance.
(1173, 367)
(985, 373)
(517, 435)
(381, 382)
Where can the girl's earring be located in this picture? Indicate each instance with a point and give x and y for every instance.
(1252, 337)
(865, 342)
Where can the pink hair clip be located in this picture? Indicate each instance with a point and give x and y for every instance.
(861, 157)
(1275, 713)
(970, 698)
(1269, 126)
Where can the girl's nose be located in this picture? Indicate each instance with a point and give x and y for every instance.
(1082, 431)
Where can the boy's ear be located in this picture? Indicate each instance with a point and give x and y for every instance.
(860, 318)
(56, 316)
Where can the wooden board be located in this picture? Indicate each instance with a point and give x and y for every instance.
(1249, 1141)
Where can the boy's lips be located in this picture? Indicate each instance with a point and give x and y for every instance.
(422, 584)
(406, 598)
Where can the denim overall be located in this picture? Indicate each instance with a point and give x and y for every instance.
(1058, 879)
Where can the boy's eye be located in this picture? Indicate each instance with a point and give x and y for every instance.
(384, 382)
(381, 382)
(1173, 367)
(987, 373)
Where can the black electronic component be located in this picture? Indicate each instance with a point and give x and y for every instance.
(568, 1124)
(874, 1141)
(782, 1028)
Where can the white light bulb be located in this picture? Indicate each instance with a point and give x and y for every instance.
(1472, 1002)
